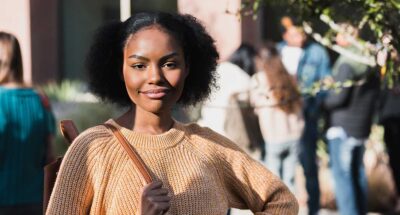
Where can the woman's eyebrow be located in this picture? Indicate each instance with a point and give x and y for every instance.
(138, 57)
(169, 56)
(146, 59)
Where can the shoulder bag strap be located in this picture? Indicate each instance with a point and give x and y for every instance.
(131, 152)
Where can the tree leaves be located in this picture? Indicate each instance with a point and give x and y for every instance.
(381, 17)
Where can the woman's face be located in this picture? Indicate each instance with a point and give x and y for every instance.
(4, 60)
(341, 40)
(154, 69)
(294, 37)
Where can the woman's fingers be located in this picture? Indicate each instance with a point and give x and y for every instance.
(154, 188)
(153, 185)
(158, 192)
(155, 199)
(162, 208)
(160, 198)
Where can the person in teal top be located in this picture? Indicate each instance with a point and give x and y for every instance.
(26, 127)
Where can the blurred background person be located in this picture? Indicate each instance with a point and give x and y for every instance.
(291, 48)
(233, 78)
(313, 66)
(389, 118)
(351, 111)
(26, 127)
(277, 102)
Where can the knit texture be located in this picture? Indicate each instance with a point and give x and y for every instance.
(204, 172)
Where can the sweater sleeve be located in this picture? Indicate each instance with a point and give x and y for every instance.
(249, 185)
(73, 190)
(338, 99)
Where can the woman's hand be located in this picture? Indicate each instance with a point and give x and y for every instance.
(154, 199)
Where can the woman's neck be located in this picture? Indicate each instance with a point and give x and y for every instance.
(141, 121)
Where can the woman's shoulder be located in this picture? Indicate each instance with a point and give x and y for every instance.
(217, 148)
(195, 130)
(91, 138)
(208, 139)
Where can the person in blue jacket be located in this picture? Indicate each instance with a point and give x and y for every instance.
(312, 66)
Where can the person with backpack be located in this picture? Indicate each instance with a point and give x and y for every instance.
(27, 126)
(225, 110)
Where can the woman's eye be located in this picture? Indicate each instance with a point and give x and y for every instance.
(138, 66)
(170, 65)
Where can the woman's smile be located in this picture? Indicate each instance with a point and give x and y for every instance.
(155, 93)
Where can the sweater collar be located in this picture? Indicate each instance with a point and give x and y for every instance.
(165, 140)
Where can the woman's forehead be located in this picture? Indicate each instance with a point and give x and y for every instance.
(153, 32)
(152, 40)
(5, 50)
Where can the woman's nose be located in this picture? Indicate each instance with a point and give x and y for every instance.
(155, 74)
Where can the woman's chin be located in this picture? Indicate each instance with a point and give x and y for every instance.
(156, 108)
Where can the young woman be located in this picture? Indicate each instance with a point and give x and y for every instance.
(277, 102)
(26, 127)
(150, 62)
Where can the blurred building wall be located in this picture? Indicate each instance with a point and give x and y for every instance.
(79, 20)
(44, 15)
(149, 5)
(34, 23)
(15, 19)
(225, 28)
(251, 30)
(55, 35)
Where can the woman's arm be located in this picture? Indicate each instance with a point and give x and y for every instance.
(249, 184)
(73, 190)
(338, 99)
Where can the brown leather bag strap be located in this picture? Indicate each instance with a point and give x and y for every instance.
(68, 130)
(131, 152)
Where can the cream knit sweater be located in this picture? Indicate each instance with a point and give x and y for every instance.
(204, 172)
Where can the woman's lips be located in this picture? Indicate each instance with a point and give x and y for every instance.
(157, 93)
